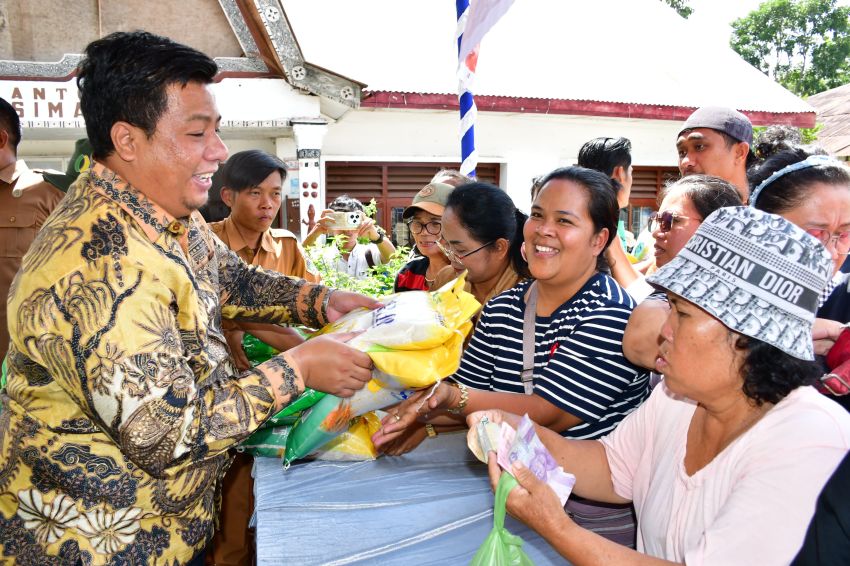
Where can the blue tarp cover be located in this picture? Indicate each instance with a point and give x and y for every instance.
(431, 506)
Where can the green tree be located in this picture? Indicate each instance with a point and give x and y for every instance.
(802, 44)
(681, 6)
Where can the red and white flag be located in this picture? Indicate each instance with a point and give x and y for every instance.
(483, 15)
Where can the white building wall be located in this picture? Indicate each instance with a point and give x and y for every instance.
(526, 144)
(257, 113)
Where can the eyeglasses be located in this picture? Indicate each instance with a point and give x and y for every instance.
(433, 227)
(664, 220)
(841, 240)
(456, 257)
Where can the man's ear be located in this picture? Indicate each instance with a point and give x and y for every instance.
(228, 196)
(125, 137)
(742, 150)
(619, 174)
(4, 139)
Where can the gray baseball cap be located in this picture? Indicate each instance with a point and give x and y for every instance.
(726, 120)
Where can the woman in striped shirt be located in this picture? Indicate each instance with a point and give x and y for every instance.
(581, 384)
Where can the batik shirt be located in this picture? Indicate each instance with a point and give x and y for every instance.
(122, 399)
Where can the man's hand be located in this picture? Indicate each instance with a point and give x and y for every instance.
(342, 302)
(234, 342)
(328, 364)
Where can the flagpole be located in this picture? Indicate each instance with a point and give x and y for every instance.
(468, 111)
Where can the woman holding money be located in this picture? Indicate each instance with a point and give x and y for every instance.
(572, 317)
(725, 460)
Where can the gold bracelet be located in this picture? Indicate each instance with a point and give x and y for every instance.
(464, 399)
(429, 428)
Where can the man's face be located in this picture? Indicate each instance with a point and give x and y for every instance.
(174, 167)
(255, 208)
(703, 150)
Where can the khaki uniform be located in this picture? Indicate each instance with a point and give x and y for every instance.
(279, 250)
(233, 542)
(20, 219)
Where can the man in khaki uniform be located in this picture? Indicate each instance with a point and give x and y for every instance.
(26, 200)
(252, 188)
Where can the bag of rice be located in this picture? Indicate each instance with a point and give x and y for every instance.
(415, 339)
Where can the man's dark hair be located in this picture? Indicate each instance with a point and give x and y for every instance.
(248, 169)
(344, 203)
(11, 122)
(215, 210)
(606, 154)
(123, 77)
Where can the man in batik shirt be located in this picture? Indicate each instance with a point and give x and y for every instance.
(122, 399)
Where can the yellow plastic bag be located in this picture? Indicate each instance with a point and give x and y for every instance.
(417, 335)
(355, 444)
(412, 342)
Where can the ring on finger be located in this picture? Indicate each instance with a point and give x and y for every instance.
(397, 417)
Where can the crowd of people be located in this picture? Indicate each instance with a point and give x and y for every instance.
(699, 396)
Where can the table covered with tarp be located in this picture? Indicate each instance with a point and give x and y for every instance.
(431, 506)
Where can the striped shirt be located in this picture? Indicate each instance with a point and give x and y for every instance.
(578, 355)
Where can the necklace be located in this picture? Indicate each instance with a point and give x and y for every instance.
(429, 280)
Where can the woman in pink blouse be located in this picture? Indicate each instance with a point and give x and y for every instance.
(725, 461)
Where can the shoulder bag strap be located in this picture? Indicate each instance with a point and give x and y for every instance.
(528, 335)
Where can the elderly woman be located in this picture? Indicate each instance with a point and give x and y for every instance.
(725, 461)
(684, 206)
(572, 318)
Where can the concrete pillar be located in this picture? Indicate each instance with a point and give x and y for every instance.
(309, 135)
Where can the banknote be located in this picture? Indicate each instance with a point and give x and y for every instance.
(485, 439)
(525, 447)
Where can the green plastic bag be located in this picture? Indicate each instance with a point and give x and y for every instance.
(317, 426)
(256, 350)
(501, 547)
(291, 413)
(268, 442)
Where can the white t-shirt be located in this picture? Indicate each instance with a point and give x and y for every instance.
(751, 504)
(357, 265)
